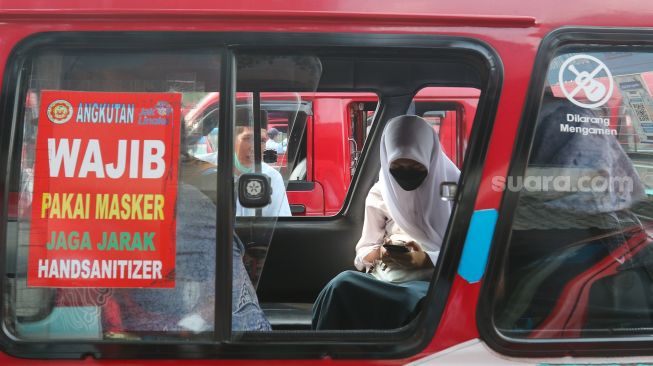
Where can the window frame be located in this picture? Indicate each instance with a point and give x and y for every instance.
(398, 343)
(407, 340)
(594, 39)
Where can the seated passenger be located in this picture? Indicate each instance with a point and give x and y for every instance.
(403, 208)
(589, 208)
(244, 163)
(189, 306)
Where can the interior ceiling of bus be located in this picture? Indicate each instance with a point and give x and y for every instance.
(384, 76)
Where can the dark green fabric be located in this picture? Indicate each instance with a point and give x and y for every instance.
(356, 300)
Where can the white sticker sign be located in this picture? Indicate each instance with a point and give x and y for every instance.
(594, 92)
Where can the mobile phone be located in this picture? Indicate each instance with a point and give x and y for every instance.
(394, 248)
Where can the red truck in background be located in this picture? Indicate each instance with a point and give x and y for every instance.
(322, 135)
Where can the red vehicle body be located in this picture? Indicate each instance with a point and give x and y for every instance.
(511, 32)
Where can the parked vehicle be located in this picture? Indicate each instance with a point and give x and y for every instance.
(111, 117)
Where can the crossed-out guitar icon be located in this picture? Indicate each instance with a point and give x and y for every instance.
(594, 90)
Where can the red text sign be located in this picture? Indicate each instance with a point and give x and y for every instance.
(105, 190)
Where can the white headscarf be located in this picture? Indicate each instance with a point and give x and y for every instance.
(421, 213)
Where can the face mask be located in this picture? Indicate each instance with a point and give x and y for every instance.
(240, 167)
(408, 179)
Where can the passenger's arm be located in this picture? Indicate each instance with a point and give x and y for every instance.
(369, 246)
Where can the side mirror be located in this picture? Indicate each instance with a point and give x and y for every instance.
(254, 190)
(448, 191)
(270, 156)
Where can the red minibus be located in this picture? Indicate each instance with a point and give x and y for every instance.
(126, 180)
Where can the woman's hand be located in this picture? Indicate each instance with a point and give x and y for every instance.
(416, 258)
(373, 255)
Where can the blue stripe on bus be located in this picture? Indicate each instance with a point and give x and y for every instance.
(477, 245)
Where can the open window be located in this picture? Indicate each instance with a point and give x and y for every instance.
(343, 131)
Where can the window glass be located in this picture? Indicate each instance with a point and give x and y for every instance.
(579, 258)
(123, 246)
(451, 113)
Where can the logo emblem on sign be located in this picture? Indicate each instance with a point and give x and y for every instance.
(163, 108)
(595, 93)
(60, 111)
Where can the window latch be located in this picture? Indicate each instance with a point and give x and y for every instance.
(448, 191)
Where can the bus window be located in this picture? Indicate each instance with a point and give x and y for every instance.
(101, 263)
(578, 259)
(334, 127)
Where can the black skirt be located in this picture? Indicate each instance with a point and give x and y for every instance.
(356, 300)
